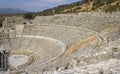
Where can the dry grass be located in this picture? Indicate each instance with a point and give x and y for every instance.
(108, 30)
(88, 41)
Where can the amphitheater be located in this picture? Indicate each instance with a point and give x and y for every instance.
(79, 43)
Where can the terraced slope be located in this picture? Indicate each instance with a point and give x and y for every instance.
(73, 43)
(103, 32)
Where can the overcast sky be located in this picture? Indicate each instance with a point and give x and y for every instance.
(33, 5)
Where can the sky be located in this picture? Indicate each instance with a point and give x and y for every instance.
(33, 5)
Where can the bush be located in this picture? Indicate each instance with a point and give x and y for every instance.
(85, 1)
(28, 16)
(113, 8)
(109, 1)
(1, 23)
(114, 49)
(98, 3)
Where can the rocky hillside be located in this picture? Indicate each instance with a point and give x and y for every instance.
(84, 6)
(76, 7)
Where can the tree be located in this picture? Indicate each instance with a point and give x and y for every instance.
(109, 1)
(28, 16)
(85, 1)
(0, 23)
(98, 3)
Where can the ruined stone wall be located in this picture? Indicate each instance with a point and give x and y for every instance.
(85, 35)
(86, 19)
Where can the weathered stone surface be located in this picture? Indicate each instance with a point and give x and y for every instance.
(89, 39)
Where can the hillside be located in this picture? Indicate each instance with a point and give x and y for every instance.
(84, 6)
(76, 7)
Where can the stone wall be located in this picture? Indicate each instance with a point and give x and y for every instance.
(86, 33)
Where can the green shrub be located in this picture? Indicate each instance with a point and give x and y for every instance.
(1, 23)
(113, 8)
(28, 16)
(85, 1)
(114, 49)
(109, 1)
(98, 3)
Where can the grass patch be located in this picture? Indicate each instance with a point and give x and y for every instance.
(114, 49)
